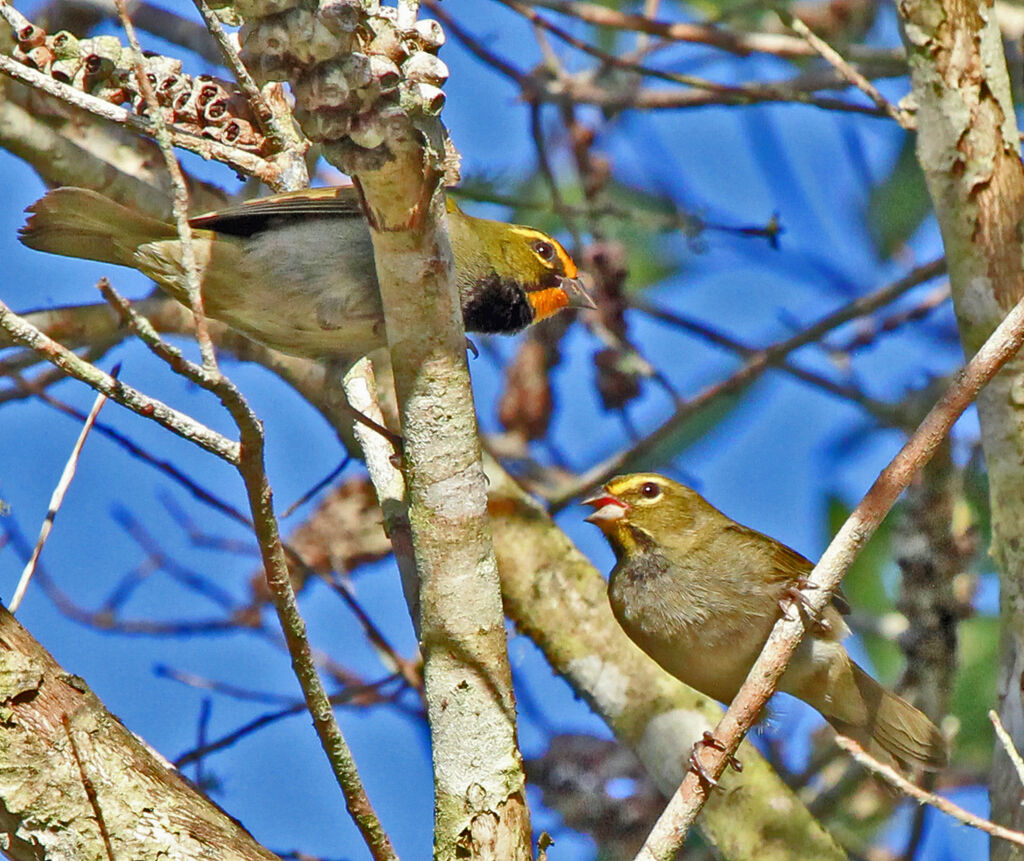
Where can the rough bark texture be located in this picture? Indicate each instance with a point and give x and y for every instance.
(480, 802)
(558, 599)
(968, 148)
(929, 560)
(75, 785)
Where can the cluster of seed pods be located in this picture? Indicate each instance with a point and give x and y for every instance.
(103, 67)
(354, 69)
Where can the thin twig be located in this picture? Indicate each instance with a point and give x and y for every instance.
(925, 797)
(836, 60)
(388, 482)
(742, 44)
(278, 129)
(671, 829)
(57, 499)
(24, 333)
(275, 562)
(879, 409)
(316, 488)
(617, 62)
(1008, 745)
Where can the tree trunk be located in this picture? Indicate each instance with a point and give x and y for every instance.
(967, 144)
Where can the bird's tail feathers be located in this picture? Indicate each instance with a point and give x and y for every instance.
(77, 222)
(894, 731)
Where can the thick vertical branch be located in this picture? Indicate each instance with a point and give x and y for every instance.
(480, 800)
(968, 148)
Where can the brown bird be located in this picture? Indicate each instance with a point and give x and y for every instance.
(296, 271)
(700, 594)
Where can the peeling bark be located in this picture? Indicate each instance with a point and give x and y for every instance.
(968, 148)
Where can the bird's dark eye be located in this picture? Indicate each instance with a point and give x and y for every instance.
(650, 490)
(544, 250)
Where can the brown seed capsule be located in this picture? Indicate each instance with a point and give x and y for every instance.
(340, 16)
(30, 36)
(65, 46)
(41, 57)
(429, 33)
(426, 98)
(385, 75)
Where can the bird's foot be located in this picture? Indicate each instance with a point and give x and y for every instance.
(696, 766)
(793, 597)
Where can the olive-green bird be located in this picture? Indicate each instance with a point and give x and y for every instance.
(296, 271)
(700, 594)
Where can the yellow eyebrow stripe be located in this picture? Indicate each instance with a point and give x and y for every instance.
(568, 264)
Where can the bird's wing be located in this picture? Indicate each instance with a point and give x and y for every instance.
(253, 216)
(787, 565)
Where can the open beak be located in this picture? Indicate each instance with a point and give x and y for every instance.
(607, 508)
(577, 294)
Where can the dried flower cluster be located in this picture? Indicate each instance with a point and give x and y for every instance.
(355, 71)
(103, 67)
(619, 368)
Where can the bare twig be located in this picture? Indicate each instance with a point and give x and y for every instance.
(272, 117)
(924, 797)
(180, 198)
(834, 58)
(57, 499)
(388, 481)
(1007, 743)
(1001, 345)
(22, 332)
(251, 468)
(880, 409)
(742, 44)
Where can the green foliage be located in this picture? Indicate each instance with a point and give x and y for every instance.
(974, 691)
(900, 204)
(864, 587)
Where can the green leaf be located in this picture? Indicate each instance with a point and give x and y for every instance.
(974, 691)
(865, 589)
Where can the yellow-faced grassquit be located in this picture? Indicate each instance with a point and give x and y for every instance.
(700, 593)
(296, 271)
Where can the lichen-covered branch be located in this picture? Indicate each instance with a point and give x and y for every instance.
(968, 148)
(106, 794)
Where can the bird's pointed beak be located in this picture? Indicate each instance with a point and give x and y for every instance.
(577, 294)
(607, 508)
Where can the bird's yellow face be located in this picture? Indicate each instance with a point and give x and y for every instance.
(550, 269)
(511, 275)
(642, 511)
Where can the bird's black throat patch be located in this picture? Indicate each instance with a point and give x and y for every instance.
(496, 305)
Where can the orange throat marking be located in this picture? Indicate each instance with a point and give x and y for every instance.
(547, 302)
